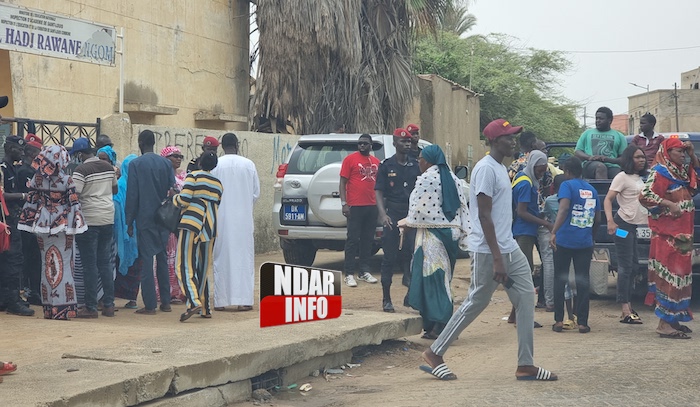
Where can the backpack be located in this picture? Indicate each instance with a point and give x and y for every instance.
(515, 182)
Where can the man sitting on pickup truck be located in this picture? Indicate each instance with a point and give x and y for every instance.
(600, 148)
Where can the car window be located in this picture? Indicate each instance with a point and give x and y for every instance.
(309, 158)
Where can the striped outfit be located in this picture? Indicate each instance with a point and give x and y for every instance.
(199, 198)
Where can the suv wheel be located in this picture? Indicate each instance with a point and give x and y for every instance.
(302, 254)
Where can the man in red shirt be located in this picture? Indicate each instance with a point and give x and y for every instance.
(648, 139)
(358, 174)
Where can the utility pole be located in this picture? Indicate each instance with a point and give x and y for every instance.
(675, 99)
(585, 116)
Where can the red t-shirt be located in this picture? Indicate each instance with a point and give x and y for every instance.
(361, 173)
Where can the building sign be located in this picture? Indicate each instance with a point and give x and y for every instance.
(39, 32)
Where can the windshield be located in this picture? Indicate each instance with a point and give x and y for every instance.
(309, 158)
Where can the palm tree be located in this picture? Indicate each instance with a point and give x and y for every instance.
(328, 62)
(457, 20)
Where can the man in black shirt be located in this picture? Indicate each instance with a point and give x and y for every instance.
(395, 181)
(210, 144)
(11, 261)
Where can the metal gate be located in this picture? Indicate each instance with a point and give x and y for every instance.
(54, 132)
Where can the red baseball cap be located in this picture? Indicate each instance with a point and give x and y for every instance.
(34, 140)
(210, 141)
(412, 127)
(500, 127)
(402, 133)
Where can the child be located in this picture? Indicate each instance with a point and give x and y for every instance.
(551, 208)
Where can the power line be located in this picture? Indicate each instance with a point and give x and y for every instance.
(628, 51)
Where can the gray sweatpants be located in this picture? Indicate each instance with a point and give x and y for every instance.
(521, 294)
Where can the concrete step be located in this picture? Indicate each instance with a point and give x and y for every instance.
(219, 358)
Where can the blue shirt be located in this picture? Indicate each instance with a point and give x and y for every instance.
(577, 230)
(524, 191)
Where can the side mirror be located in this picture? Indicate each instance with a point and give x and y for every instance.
(461, 172)
(377, 145)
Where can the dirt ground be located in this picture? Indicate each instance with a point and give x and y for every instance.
(484, 358)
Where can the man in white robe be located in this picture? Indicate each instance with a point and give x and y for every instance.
(234, 250)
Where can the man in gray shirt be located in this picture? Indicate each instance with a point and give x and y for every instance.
(496, 259)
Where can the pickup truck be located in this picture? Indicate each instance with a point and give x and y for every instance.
(604, 241)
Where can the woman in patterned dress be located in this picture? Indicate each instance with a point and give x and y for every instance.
(438, 210)
(52, 212)
(668, 193)
(174, 155)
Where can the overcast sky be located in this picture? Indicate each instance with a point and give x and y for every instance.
(602, 78)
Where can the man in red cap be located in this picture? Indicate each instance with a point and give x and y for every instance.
(496, 259)
(209, 144)
(396, 178)
(414, 151)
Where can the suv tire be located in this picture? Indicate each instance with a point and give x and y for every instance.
(301, 254)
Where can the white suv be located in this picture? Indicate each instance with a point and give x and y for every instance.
(306, 211)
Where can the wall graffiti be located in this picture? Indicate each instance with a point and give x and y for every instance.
(279, 153)
(250, 145)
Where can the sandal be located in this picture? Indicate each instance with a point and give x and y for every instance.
(131, 305)
(243, 308)
(206, 316)
(187, 314)
(682, 328)
(144, 311)
(631, 319)
(7, 367)
(542, 375)
(440, 371)
(429, 335)
(675, 335)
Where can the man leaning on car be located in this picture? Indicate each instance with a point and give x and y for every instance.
(358, 175)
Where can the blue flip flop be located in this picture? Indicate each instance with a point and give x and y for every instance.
(441, 372)
(542, 375)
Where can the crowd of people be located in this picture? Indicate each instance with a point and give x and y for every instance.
(86, 225)
(426, 220)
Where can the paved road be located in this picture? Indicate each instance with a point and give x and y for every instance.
(613, 365)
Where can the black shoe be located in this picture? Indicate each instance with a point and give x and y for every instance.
(20, 309)
(388, 306)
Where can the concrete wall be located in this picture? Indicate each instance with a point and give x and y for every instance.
(267, 151)
(448, 115)
(180, 54)
(662, 105)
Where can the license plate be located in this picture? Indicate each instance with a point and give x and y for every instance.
(294, 213)
(643, 233)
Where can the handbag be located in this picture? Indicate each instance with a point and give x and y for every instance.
(168, 215)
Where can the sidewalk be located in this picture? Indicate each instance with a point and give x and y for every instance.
(133, 359)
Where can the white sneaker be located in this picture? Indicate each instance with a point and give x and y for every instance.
(350, 281)
(367, 277)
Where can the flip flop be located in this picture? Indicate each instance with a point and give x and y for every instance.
(631, 319)
(187, 314)
(243, 308)
(542, 375)
(682, 328)
(441, 372)
(675, 335)
(7, 368)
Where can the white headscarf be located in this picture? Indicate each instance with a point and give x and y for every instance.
(535, 158)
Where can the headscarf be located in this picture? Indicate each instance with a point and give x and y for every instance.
(127, 248)
(170, 150)
(680, 175)
(535, 158)
(450, 199)
(50, 166)
(111, 154)
(52, 203)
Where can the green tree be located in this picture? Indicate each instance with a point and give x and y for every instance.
(519, 85)
(457, 19)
